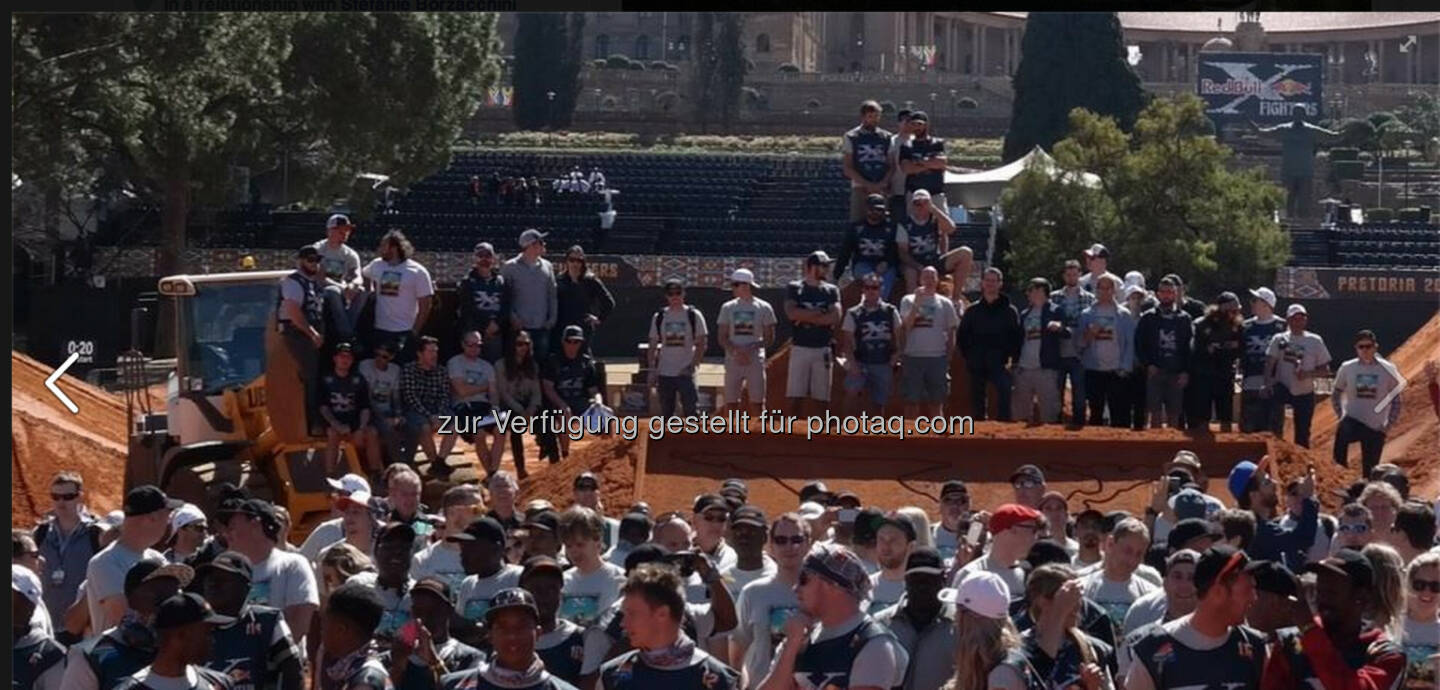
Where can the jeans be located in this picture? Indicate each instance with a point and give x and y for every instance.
(1107, 388)
(1304, 411)
(1072, 369)
(887, 279)
(1254, 412)
(307, 363)
(1163, 395)
(1211, 392)
(401, 343)
(1372, 443)
(1135, 396)
(539, 341)
(684, 386)
(993, 373)
(344, 319)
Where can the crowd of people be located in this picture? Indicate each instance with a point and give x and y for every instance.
(1251, 586)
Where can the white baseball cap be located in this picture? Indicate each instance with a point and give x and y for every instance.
(24, 581)
(920, 194)
(744, 275)
(810, 510)
(1296, 309)
(185, 515)
(1135, 279)
(349, 483)
(1265, 295)
(983, 593)
(361, 498)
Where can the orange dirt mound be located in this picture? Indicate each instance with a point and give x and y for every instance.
(1413, 442)
(46, 438)
(612, 459)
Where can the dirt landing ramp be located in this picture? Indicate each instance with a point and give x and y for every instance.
(1092, 467)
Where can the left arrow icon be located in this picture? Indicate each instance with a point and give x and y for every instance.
(50, 383)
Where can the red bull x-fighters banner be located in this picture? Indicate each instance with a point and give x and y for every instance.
(1266, 88)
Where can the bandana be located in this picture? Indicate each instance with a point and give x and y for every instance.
(343, 667)
(678, 655)
(507, 678)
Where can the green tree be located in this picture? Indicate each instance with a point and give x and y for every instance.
(548, 58)
(1069, 60)
(730, 66)
(1166, 202)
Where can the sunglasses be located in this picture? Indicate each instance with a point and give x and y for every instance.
(64, 497)
(195, 527)
(1432, 586)
(1354, 529)
(797, 540)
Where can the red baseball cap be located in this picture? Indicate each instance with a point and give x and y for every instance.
(1012, 514)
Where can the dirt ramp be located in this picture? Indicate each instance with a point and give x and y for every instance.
(1093, 467)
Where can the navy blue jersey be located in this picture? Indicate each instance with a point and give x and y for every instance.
(312, 306)
(345, 395)
(1235, 665)
(251, 650)
(918, 151)
(575, 380)
(874, 332)
(1063, 670)
(119, 653)
(205, 679)
(1257, 340)
(815, 298)
(482, 301)
(874, 243)
(566, 658)
(480, 679)
(869, 152)
(456, 655)
(29, 661)
(827, 664)
(704, 672)
(923, 239)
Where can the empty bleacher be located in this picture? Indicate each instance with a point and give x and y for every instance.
(1387, 245)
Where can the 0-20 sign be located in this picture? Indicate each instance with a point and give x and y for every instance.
(85, 348)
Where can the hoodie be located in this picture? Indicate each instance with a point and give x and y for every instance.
(990, 334)
(1162, 339)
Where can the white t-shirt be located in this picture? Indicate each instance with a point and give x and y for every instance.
(384, 386)
(586, 596)
(931, 331)
(441, 560)
(324, 534)
(1361, 387)
(398, 291)
(736, 579)
(880, 663)
(473, 597)
(1302, 352)
(677, 340)
(1115, 597)
(762, 609)
(282, 579)
(472, 372)
(946, 542)
(745, 321)
(155, 681)
(1014, 576)
(884, 593)
(105, 578)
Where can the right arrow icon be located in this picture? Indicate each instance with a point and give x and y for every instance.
(50, 383)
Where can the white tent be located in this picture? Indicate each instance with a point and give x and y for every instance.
(982, 189)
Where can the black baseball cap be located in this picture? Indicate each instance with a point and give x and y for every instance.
(1347, 563)
(1114, 518)
(232, 562)
(925, 560)
(867, 521)
(436, 586)
(1186, 530)
(818, 258)
(1090, 515)
(1217, 561)
(1028, 472)
(749, 515)
(645, 553)
(894, 520)
(184, 609)
(637, 520)
(308, 252)
(876, 201)
(811, 489)
(1275, 578)
(395, 531)
(919, 116)
(705, 502)
(483, 529)
(847, 495)
(672, 284)
(512, 598)
(153, 569)
(547, 520)
(1044, 552)
(954, 486)
(344, 346)
(147, 499)
(573, 333)
(537, 564)
(586, 480)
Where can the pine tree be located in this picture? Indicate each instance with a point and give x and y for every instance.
(547, 60)
(1070, 60)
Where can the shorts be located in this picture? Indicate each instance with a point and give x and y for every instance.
(925, 379)
(472, 412)
(875, 379)
(751, 375)
(809, 374)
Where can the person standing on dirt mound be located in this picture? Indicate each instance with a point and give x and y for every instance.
(1107, 332)
(1294, 359)
(990, 339)
(1071, 299)
(1038, 369)
(1162, 344)
(1258, 331)
(928, 322)
(870, 342)
(1219, 340)
(1211, 647)
(831, 642)
(866, 159)
(813, 308)
(1363, 402)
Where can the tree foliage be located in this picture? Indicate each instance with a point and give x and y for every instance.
(1167, 202)
(718, 77)
(548, 58)
(1069, 60)
(162, 104)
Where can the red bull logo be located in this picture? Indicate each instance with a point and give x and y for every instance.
(1290, 87)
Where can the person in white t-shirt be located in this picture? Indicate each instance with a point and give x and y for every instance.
(1293, 360)
(745, 325)
(482, 555)
(1363, 401)
(281, 579)
(592, 585)
(461, 505)
(1115, 585)
(678, 338)
(765, 604)
(403, 294)
(474, 391)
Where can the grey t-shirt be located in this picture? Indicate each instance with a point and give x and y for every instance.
(587, 596)
(473, 597)
(1115, 597)
(763, 607)
(340, 264)
(105, 578)
(283, 579)
(1302, 352)
(384, 387)
(1034, 331)
(1361, 387)
(473, 372)
(1105, 344)
(884, 593)
(441, 560)
(745, 321)
(931, 331)
(677, 341)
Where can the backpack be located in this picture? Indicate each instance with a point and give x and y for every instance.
(690, 313)
(94, 529)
